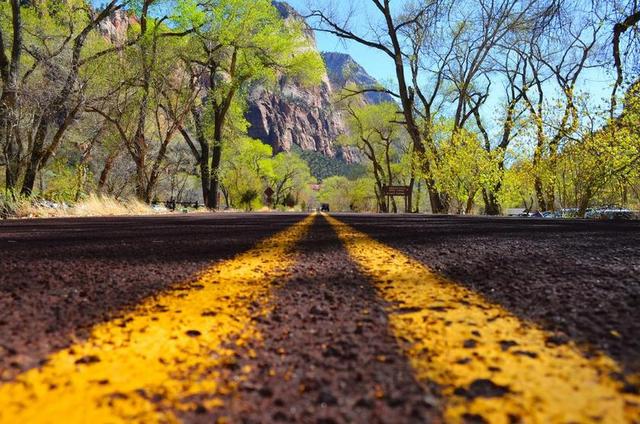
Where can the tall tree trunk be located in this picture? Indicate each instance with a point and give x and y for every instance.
(417, 197)
(469, 206)
(141, 179)
(491, 204)
(106, 170)
(584, 202)
(10, 73)
(438, 205)
(36, 157)
(205, 177)
(216, 156)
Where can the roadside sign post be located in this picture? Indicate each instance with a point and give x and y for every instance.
(392, 191)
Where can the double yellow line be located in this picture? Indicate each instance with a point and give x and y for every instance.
(165, 356)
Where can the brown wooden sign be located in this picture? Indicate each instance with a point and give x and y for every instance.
(396, 190)
(391, 191)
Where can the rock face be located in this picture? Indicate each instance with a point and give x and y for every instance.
(343, 71)
(294, 115)
(115, 27)
(291, 114)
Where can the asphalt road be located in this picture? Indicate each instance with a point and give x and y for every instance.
(352, 318)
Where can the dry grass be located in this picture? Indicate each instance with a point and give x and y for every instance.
(107, 206)
(91, 206)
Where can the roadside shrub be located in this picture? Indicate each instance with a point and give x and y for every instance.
(247, 198)
(13, 205)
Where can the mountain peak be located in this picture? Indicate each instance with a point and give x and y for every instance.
(286, 10)
(344, 70)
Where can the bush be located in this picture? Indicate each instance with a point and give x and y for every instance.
(13, 206)
(247, 198)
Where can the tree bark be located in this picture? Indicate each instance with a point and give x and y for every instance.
(10, 71)
(216, 156)
(491, 204)
(106, 170)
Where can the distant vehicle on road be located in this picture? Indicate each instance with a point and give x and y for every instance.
(324, 207)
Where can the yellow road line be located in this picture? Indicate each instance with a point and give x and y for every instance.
(487, 362)
(160, 358)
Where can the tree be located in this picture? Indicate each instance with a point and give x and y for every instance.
(601, 158)
(622, 23)
(38, 105)
(390, 38)
(336, 191)
(560, 58)
(147, 100)
(246, 165)
(464, 168)
(374, 132)
(236, 43)
(289, 179)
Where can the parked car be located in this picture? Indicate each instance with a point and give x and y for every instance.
(610, 213)
(324, 207)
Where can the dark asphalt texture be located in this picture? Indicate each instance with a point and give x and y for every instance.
(578, 278)
(326, 339)
(59, 277)
(327, 354)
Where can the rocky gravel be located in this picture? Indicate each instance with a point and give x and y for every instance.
(59, 277)
(578, 278)
(327, 355)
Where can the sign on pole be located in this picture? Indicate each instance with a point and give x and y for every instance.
(391, 191)
(396, 190)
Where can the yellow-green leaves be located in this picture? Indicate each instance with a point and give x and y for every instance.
(249, 40)
(462, 167)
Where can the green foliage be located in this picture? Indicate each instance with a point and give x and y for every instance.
(600, 165)
(249, 167)
(344, 195)
(251, 42)
(290, 179)
(462, 166)
(323, 167)
(517, 186)
(373, 130)
(11, 203)
(65, 182)
(156, 83)
(248, 198)
(246, 164)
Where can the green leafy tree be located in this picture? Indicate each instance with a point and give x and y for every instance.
(236, 43)
(150, 102)
(246, 165)
(43, 79)
(336, 191)
(374, 132)
(464, 167)
(291, 178)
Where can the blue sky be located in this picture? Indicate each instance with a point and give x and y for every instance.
(376, 63)
(596, 81)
